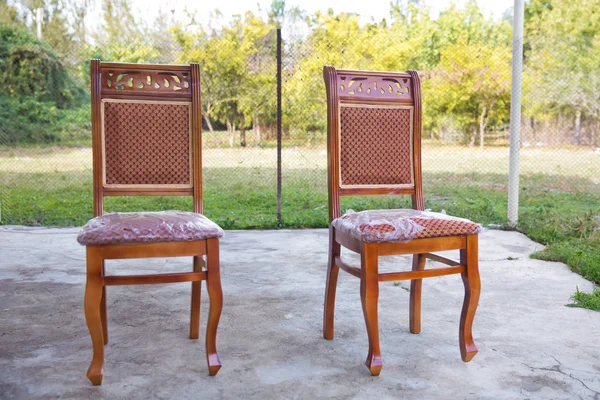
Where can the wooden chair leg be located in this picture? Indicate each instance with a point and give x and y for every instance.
(103, 315)
(369, 294)
(103, 309)
(415, 295)
(470, 277)
(330, 286)
(215, 294)
(92, 307)
(195, 309)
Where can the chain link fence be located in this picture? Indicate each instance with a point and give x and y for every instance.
(45, 131)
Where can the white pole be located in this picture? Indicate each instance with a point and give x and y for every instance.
(515, 114)
(39, 14)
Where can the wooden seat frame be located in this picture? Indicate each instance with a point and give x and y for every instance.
(421, 249)
(95, 293)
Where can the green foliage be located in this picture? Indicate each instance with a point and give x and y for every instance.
(37, 97)
(32, 121)
(238, 74)
(472, 85)
(570, 227)
(9, 14)
(464, 60)
(122, 38)
(581, 255)
(590, 301)
(135, 51)
(566, 220)
(563, 74)
(30, 69)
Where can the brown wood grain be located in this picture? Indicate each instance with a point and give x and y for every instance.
(215, 294)
(420, 274)
(95, 297)
(91, 304)
(331, 285)
(416, 287)
(420, 248)
(175, 277)
(369, 296)
(472, 284)
(354, 271)
(195, 306)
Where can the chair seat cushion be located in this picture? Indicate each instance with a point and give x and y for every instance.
(401, 225)
(148, 227)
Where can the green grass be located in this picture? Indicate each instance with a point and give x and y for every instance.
(561, 213)
(586, 300)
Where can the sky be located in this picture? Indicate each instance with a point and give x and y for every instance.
(368, 10)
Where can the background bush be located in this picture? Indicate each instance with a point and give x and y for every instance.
(39, 103)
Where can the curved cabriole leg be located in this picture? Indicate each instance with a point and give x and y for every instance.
(469, 258)
(93, 315)
(330, 287)
(369, 295)
(215, 294)
(195, 309)
(415, 295)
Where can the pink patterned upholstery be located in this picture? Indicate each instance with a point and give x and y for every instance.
(402, 225)
(148, 227)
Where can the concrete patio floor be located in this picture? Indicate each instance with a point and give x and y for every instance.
(530, 345)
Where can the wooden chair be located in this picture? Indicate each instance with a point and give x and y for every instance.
(374, 148)
(146, 133)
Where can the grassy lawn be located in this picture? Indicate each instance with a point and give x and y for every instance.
(559, 201)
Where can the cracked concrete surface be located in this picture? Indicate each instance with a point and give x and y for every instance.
(530, 345)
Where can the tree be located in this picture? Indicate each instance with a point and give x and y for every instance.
(122, 37)
(9, 15)
(563, 74)
(235, 83)
(29, 68)
(35, 87)
(472, 81)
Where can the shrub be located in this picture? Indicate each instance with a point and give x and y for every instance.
(38, 98)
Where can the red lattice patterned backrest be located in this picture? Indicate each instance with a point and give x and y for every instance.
(375, 146)
(146, 129)
(146, 143)
(374, 122)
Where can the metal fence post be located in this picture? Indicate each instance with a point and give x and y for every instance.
(39, 16)
(515, 114)
(279, 125)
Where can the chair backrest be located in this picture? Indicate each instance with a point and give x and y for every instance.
(146, 131)
(374, 135)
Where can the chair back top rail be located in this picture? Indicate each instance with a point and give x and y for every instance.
(381, 87)
(124, 80)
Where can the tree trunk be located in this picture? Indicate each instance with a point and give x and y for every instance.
(473, 137)
(210, 128)
(595, 135)
(242, 130)
(256, 127)
(231, 132)
(534, 130)
(577, 138)
(482, 124)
